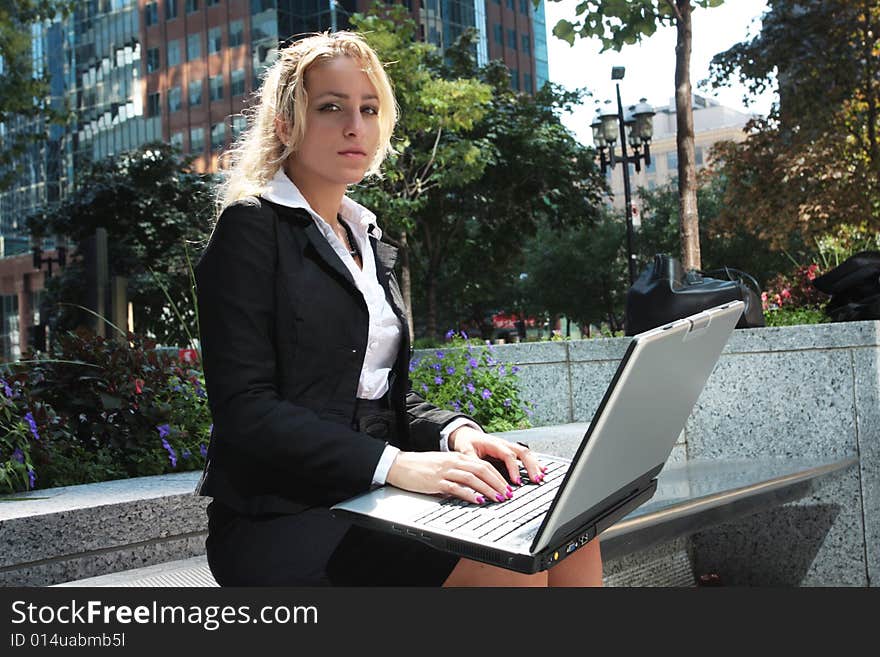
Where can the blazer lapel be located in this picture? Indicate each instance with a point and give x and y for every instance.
(386, 257)
(322, 246)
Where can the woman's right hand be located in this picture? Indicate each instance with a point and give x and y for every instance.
(449, 473)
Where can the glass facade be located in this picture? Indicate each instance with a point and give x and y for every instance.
(542, 67)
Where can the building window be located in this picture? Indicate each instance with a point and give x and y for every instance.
(239, 123)
(499, 34)
(177, 140)
(196, 140)
(218, 136)
(497, 2)
(211, 3)
(524, 7)
(191, 6)
(511, 39)
(514, 78)
(215, 40)
(193, 47)
(170, 9)
(236, 33)
(174, 100)
(216, 87)
(195, 93)
(526, 44)
(153, 108)
(510, 5)
(152, 60)
(236, 88)
(527, 83)
(652, 167)
(672, 161)
(151, 14)
(172, 56)
(698, 156)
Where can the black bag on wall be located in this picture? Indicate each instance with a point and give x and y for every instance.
(854, 286)
(665, 292)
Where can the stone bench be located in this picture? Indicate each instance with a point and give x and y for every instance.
(150, 531)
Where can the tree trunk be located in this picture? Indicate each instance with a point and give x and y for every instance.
(431, 319)
(406, 283)
(689, 220)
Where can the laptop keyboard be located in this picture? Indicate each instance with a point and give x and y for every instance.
(493, 521)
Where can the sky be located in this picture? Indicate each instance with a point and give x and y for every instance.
(650, 65)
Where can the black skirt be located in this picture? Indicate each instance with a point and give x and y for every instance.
(312, 548)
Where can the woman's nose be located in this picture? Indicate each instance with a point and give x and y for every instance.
(354, 124)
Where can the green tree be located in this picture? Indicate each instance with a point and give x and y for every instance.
(158, 215)
(24, 90)
(579, 272)
(624, 22)
(470, 239)
(431, 149)
(726, 244)
(812, 164)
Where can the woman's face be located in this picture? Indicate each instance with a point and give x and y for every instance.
(342, 125)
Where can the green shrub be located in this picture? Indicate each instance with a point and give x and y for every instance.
(791, 316)
(465, 376)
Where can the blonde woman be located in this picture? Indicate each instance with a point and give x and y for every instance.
(305, 351)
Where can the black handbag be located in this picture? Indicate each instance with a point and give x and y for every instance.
(665, 292)
(854, 286)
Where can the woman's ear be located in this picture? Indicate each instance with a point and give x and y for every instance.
(281, 130)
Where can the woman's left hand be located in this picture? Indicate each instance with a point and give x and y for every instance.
(468, 440)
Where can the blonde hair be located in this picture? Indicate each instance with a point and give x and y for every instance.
(258, 153)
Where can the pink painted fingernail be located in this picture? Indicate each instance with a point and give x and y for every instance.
(509, 494)
(543, 468)
(539, 478)
(480, 499)
(500, 497)
(518, 481)
(509, 489)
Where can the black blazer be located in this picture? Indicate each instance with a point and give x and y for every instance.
(283, 334)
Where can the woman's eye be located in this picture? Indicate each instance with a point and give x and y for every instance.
(329, 107)
(370, 110)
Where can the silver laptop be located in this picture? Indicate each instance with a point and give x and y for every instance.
(614, 470)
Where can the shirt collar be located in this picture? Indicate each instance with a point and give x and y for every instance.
(283, 191)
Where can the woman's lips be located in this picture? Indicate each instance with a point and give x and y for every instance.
(353, 154)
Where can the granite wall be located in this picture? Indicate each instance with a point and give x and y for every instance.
(776, 391)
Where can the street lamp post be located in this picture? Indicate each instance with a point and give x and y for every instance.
(610, 125)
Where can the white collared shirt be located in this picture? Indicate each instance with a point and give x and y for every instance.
(384, 334)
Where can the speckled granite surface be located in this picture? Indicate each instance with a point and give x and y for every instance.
(792, 392)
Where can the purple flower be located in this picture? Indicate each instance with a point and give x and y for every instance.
(456, 405)
(473, 362)
(424, 387)
(203, 451)
(164, 430)
(201, 393)
(450, 333)
(450, 369)
(529, 412)
(30, 420)
(172, 455)
(486, 393)
(515, 369)
(177, 388)
(464, 335)
(31, 476)
(470, 407)
(439, 354)
(438, 380)
(18, 455)
(6, 389)
(501, 370)
(413, 364)
(507, 403)
(490, 361)
(436, 366)
(470, 387)
(186, 454)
